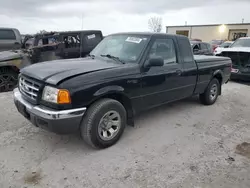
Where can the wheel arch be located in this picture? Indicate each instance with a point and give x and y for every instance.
(10, 83)
(116, 93)
(10, 67)
(219, 76)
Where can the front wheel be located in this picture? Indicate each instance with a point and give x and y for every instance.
(211, 94)
(8, 79)
(104, 123)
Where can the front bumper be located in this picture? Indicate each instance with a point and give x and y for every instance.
(61, 122)
(240, 76)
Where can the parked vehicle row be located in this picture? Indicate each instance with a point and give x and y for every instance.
(124, 75)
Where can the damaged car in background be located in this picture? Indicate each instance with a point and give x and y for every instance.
(43, 47)
(11, 58)
(239, 52)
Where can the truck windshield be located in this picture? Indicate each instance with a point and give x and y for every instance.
(225, 44)
(244, 42)
(127, 48)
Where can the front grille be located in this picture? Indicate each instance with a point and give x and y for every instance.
(239, 59)
(29, 88)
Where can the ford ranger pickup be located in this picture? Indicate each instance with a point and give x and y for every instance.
(125, 74)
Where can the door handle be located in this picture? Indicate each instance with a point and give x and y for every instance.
(178, 72)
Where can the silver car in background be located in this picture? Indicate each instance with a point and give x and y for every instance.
(10, 39)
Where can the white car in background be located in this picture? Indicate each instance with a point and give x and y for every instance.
(221, 47)
(239, 52)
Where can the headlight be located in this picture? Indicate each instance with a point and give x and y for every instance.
(54, 95)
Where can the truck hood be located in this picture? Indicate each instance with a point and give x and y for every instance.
(53, 72)
(240, 58)
(237, 49)
(9, 55)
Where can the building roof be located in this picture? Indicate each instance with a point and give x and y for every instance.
(207, 25)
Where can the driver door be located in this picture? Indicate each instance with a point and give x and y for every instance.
(162, 84)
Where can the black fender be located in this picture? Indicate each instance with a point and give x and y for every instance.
(219, 75)
(218, 72)
(108, 89)
(117, 93)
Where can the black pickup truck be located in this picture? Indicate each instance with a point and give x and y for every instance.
(125, 74)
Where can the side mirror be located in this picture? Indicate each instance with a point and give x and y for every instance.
(155, 62)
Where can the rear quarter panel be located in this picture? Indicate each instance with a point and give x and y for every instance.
(208, 67)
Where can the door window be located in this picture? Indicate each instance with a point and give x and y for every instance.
(7, 34)
(209, 47)
(71, 41)
(196, 47)
(165, 49)
(203, 46)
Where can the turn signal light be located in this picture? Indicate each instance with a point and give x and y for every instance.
(63, 97)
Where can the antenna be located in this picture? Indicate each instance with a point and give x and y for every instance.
(81, 38)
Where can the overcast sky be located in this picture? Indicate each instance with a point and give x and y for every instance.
(110, 16)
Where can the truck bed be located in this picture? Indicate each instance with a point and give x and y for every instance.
(204, 58)
(208, 64)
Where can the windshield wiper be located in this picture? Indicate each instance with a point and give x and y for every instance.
(90, 55)
(113, 57)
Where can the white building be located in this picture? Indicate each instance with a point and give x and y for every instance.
(210, 32)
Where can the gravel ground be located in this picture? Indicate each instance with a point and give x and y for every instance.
(184, 144)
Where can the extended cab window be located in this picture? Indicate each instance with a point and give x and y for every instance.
(7, 34)
(185, 50)
(165, 49)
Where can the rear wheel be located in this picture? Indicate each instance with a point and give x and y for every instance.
(211, 94)
(8, 79)
(104, 123)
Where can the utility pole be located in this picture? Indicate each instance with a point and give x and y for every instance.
(82, 21)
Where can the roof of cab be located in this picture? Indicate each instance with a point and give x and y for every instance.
(9, 28)
(147, 34)
(80, 31)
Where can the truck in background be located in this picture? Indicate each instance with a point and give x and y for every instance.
(10, 39)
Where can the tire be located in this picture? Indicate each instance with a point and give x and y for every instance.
(91, 129)
(8, 79)
(210, 96)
